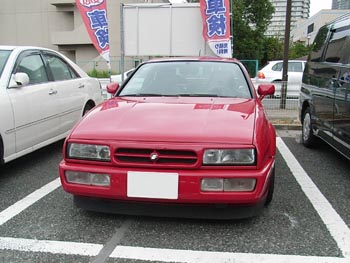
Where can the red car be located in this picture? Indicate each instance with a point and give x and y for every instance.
(180, 137)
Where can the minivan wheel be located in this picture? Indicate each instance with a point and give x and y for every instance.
(308, 138)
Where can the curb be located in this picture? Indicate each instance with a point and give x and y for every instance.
(279, 126)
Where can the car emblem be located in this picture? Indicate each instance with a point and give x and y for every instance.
(154, 156)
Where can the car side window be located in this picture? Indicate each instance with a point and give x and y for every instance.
(337, 45)
(319, 43)
(277, 67)
(295, 67)
(60, 70)
(34, 67)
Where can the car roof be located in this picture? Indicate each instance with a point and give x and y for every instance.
(211, 59)
(290, 60)
(8, 47)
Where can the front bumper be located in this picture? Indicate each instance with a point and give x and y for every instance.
(189, 182)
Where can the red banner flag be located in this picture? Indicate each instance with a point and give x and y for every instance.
(94, 15)
(216, 26)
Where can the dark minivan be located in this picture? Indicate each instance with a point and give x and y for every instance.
(324, 105)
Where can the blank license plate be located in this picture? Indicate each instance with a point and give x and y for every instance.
(153, 185)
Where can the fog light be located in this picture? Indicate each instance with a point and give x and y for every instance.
(212, 184)
(88, 178)
(239, 184)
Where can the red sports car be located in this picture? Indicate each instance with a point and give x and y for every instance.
(184, 137)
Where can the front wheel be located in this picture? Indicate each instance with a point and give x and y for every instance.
(308, 138)
(87, 108)
(271, 188)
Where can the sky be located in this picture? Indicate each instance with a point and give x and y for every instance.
(317, 5)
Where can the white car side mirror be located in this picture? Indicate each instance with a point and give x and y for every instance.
(19, 79)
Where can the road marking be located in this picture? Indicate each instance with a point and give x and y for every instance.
(27, 201)
(49, 246)
(154, 254)
(109, 247)
(334, 223)
(191, 256)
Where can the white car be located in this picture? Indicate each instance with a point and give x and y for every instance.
(42, 95)
(272, 73)
(118, 78)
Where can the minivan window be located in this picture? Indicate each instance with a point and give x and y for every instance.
(336, 47)
(318, 45)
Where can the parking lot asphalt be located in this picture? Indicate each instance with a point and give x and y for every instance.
(308, 220)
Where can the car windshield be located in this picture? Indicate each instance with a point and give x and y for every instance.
(4, 54)
(188, 78)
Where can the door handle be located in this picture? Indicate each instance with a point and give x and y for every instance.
(81, 86)
(53, 92)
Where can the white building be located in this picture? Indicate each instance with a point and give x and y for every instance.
(300, 9)
(341, 4)
(57, 24)
(305, 30)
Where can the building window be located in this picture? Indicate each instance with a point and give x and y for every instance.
(310, 28)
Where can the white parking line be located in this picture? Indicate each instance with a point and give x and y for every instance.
(155, 254)
(334, 223)
(191, 256)
(49, 246)
(30, 199)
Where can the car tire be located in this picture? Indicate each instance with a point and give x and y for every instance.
(87, 108)
(307, 136)
(271, 188)
(1, 151)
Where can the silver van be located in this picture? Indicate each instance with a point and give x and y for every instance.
(324, 102)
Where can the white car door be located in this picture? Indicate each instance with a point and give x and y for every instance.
(71, 89)
(35, 106)
(295, 72)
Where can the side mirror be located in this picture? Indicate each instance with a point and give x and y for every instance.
(19, 79)
(265, 90)
(112, 88)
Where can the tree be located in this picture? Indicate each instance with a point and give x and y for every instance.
(272, 50)
(250, 21)
(298, 50)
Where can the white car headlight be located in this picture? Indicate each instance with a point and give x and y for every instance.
(88, 152)
(229, 157)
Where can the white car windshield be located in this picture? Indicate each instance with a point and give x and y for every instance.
(188, 78)
(4, 54)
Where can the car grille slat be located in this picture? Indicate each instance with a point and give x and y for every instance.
(163, 157)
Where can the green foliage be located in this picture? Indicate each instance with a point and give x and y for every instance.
(99, 73)
(272, 50)
(297, 50)
(250, 21)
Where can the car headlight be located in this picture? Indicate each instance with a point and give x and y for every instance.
(88, 152)
(229, 157)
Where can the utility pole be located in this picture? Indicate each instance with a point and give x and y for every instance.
(285, 56)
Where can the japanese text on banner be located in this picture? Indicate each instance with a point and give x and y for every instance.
(216, 26)
(94, 15)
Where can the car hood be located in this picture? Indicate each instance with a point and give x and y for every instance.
(173, 119)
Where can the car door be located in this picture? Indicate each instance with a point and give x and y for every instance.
(295, 72)
(342, 113)
(71, 90)
(35, 106)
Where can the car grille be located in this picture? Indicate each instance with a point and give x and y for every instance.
(159, 157)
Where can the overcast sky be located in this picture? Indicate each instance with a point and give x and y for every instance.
(317, 5)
